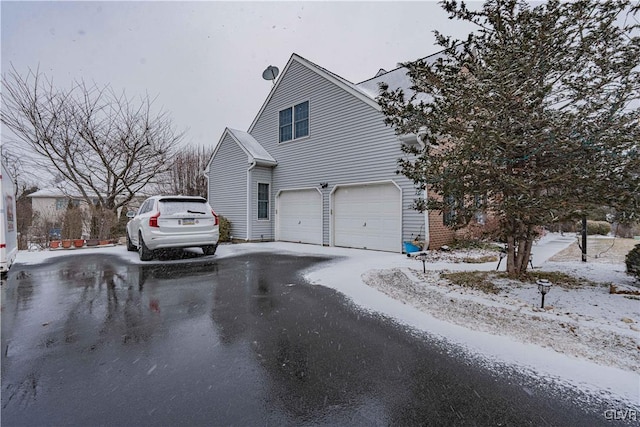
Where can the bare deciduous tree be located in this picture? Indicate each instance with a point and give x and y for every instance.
(105, 145)
(186, 174)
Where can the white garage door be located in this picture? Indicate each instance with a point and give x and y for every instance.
(299, 216)
(368, 216)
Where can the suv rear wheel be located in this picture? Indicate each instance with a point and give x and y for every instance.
(145, 253)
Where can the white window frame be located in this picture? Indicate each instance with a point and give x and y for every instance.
(293, 122)
(268, 218)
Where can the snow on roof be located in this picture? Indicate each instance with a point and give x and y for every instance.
(252, 147)
(55, 192)
(64, 190)
(395, 79)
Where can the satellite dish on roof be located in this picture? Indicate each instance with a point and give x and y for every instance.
(270, 73)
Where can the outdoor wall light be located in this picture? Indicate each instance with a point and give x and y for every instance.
(324, 184)
(543, 286)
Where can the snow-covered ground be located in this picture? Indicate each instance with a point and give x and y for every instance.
(586, 339)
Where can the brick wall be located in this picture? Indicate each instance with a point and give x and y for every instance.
(439, 234)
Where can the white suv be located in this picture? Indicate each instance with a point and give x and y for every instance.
(172, 222)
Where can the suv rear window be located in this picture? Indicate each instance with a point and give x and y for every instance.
(174, 206)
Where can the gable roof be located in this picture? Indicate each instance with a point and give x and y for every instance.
(397, 78)
(252, 148)
(332, 77)
(367, 91)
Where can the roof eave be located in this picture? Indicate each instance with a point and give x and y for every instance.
(265, 162)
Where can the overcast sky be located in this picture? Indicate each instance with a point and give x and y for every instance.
(204, 60)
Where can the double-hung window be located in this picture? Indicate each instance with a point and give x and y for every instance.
(294, 122)
(263, 201)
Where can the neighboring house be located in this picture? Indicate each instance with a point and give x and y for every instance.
(318, 165)
(50, 204)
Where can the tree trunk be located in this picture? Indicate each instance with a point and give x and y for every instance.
(526, 255)
(518, 254)
(511, 256)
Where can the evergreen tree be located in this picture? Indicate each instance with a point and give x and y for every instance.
(533, 118)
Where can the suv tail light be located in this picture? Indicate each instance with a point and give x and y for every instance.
(153, 221)
(215, 218)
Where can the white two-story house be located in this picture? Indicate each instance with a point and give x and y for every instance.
(318, 165)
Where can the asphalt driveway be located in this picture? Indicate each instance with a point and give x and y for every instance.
(243, 340)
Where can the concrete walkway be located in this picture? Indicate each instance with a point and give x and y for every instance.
(550, 245)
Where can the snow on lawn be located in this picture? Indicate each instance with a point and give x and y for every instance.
(574, 322)
(586, 338)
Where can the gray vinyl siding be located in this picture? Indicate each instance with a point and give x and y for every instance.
(260, 229)
(348, 142)
(228, 185)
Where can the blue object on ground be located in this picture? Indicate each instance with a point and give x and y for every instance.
(410, 247)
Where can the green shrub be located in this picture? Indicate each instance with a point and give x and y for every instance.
(596, 227)
(633, 262)
(225, 229)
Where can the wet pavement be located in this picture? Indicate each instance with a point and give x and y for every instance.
(92, 340)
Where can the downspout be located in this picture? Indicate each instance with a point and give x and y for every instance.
(249, 228)
(419, 137)
(426, 220)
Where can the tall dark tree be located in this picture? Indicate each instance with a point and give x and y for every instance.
(106, 146)
(533, 118)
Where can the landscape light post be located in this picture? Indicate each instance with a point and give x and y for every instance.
(543, 286)
(422, 256)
